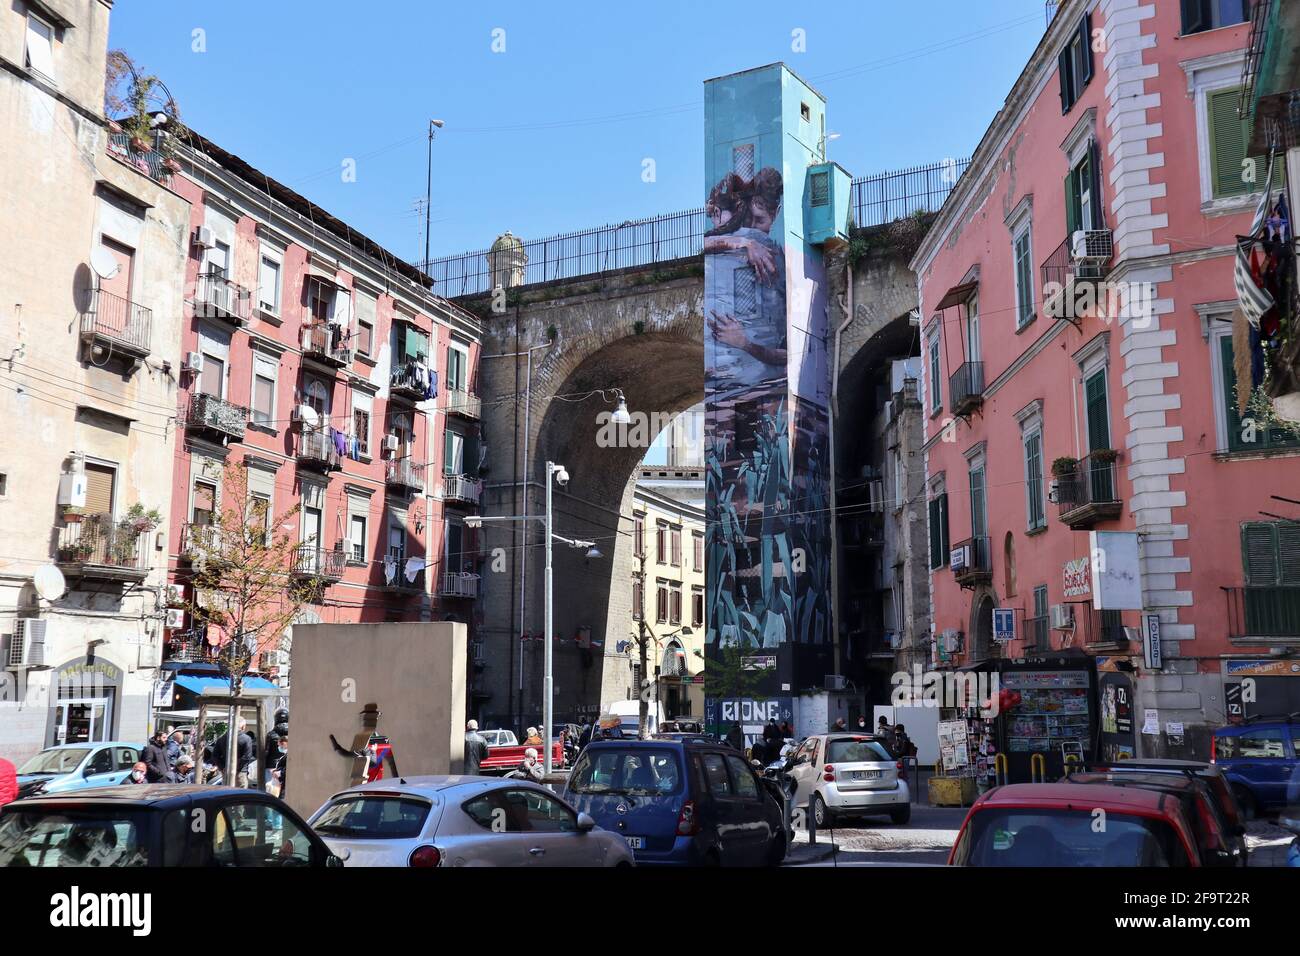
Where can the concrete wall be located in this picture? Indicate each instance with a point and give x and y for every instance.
(414, 672)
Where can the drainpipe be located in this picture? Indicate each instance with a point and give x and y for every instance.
(835, 518)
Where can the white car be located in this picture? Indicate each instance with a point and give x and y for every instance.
(499, 738)
(462, 821)
(838, 776)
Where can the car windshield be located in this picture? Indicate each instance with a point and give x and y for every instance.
(96, 836)
(373, 817)
(856, 751)
(59, 760)
(642, 770)
(1033, 837)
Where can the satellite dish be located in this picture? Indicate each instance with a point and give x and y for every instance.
(49, 583)
(104, 263)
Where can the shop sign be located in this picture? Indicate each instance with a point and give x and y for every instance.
(1078, 577)
(1115, 571)
(1004, 624)
(1151, 652)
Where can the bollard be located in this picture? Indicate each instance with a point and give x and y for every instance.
(1000, 769)
(810, 821)
(1071, 763)
(1037, 768)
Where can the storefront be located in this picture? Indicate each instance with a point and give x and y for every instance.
(1260, 687)
(85, 702)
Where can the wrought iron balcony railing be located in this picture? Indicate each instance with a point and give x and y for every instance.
(98, 546)
(966, 387)
(316, 449)
(971, 560)
(200, 540)
(326, 343)
(150, 161)
(312, 561)
(1083, 258)
(1264, 614)
(117, 322)
(404, 473)
(1089, 493)
(218, 297)
(405, 381)
(464, 404)
(216, 415)
(461, 488)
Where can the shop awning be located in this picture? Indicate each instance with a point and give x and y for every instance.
(958, 294)
(195, 684)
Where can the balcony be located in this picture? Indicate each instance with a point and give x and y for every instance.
(461, 489)
(971, 562)
(1072, 273)
(465, 404)
(402, 473)
(399, 584)
(966, 388)
(99, 548)
(316, 449)
(1264, 615)
(408, 381)
(1103, 631)
(326, 344)
(315, 563)
(1038, 633)
(150, 161)
(217, 297)
(216, 416)
(458, 585)
(1088, 494)
(186, 649)
(200, 542)
(117, 323)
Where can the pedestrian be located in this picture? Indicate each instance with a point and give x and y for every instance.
(787, 732)
(903, 746)
(174, 747)
(154, 757)
(476, 748)
(8, 782)
(280, 769)
(736, 738)
(533, 737)
(271, 749)
(863, 727)
(530, 767)
(584, 737)
(183, 772)
(245, 753)
(139, 773)
(882, 727)
(840, 726)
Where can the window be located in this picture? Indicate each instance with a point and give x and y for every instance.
(1074, 64)
(318, 397)
(978, 510)
(1270, 553)
(214, 346)
(661, 603)
(101, 481)
(453, 458)
(697, 607)
(936, 386)
(1252, 744)
(40, 46)
(661, 542)
(263, 405)
(203, 510)
(743, 779)
(742, 161)
(638, 597)
(1022, 247)
(1097, 409)
(362, 408)
(674, 603)
(268, 284)
(1243, 432)
(457, 363)
(675, 538)
(1037, 513)
(365, 337)
(258, 835)
(1040, 632)
(397, 543)
(715, 776)
(357, 537)
(259, 513)
(697, 547)
(972, 310)
(939, 531)
(1083, 200)
(1232, 173)
(638, 535)
(367, 307)
(1202, 15)
(320, 299)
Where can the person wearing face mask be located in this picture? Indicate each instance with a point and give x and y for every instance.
(183, 772)
(530, 767)
(279, 770)
(139, 771)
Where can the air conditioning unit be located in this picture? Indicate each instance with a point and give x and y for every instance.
(1133, 635)
(1062, 617)
(72, 490)
(392, 443)
(1091, 245)
(304, 338)
(193, 362)
(836, 682)
(203, 238)
(877, 496)
(175, 619)
(27, 643)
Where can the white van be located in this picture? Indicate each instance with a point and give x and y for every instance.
(626, 715)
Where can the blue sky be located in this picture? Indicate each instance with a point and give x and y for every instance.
(550, 135)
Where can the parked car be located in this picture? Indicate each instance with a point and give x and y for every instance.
(1215, 841)
(683, 802)
(500, 738)
(841, 776)
(1212, 775)
(158, 824)
(1262, 760)
(462, 821)
(68, 767)
(1055, 824)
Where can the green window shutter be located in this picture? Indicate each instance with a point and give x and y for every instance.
(1063, 71)
(1288, 554)
(1227, 144)
(936, 543)
(1233, 419)
(1097, 411)
(943, 524)
(1259, 553)
(1094, 191)
(1071, 204)
(1085, 37)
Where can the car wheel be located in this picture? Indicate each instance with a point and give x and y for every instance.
(1246, 800)
(821, 815)
(776, 854)
(900, 815)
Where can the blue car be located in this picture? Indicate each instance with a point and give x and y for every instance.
(77, 767)
(680, 802)
(1261, 759)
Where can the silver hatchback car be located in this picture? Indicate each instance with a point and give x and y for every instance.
(462, 821)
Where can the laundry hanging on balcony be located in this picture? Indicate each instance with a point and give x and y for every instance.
(1255, 301)
(390, 569)
(413, 568)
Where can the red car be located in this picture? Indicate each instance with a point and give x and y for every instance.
(1060, 824)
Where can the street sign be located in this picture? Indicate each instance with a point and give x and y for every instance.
(1151, 652)
(1004, 624)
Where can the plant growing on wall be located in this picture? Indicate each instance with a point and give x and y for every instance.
(1064, 467)
(131, 101)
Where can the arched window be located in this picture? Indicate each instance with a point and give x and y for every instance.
(318, 397)
(401, 427)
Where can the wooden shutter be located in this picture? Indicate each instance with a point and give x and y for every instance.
(934, 533)
(1071, 204)
(1097, 411)
(1085, 44)
(1227, 144)
(1288, 554)
(1063, 71)
(99, 489)
(1259, 552)
(1194, 15)
(978, 513)
(1094, 193)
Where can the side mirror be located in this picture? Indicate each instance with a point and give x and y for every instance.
(333, 861)
(585, 823)
(88, 771)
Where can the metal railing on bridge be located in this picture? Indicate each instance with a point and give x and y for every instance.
(874, 200)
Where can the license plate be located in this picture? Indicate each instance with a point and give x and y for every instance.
(866, 775)
(635, 843)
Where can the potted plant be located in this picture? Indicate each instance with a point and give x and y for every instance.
(1064, 466)
(138, 521)
(1104, 455)
(72, 514)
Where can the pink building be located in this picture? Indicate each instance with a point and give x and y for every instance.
(1079, 378)
(326, 365)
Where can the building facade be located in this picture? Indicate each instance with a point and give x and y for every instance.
(92, 254)
(326, 366)
(1087, 466)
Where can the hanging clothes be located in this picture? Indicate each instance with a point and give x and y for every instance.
(390, 569)
(432, 390)
(340, 443)
(413, 568)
